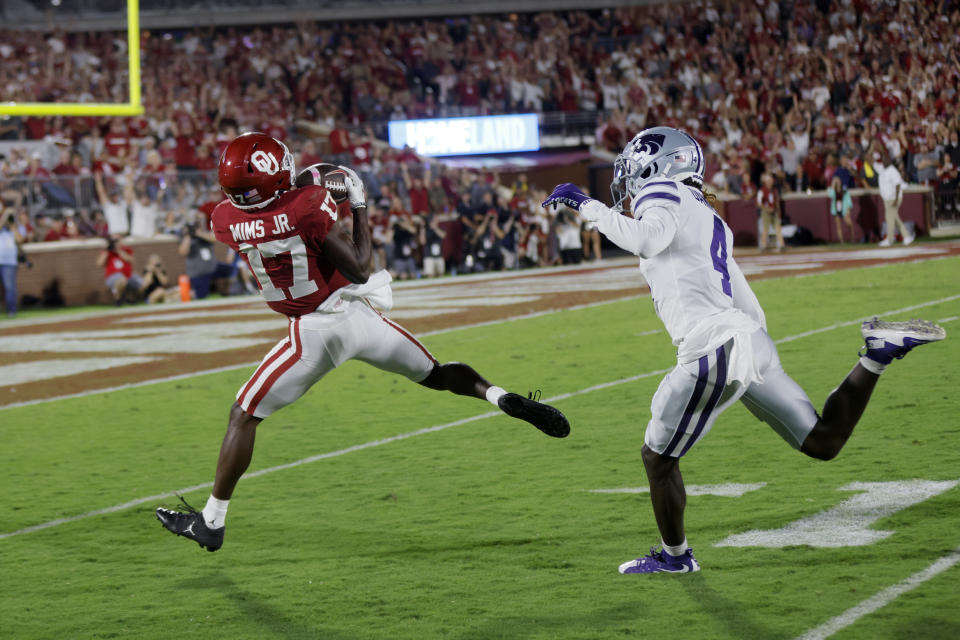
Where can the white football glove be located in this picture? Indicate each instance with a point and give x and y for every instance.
(354, 188)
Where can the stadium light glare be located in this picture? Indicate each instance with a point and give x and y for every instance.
(132, 108)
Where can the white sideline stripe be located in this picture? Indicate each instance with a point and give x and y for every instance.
(838, 325)
(950, 319)
(881, 599)
(402, 436)
(253, 474)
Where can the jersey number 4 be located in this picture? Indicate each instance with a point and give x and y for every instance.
(718, 249)
(302, 284)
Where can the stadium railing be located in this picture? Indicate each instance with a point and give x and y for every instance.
(58, 195)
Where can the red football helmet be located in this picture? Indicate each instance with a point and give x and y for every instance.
(254, 169)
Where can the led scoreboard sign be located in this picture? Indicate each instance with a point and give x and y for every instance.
(467, 136)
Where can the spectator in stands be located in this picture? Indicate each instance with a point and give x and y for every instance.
(115, 208)
(431, 239)
(926, 163)
(891, 192)
(507, 221)
(841, 206)
(946, 191)
(870, 166)
(197, 246)
(24, 227)
(381, 236)
(405, 235)
(567, 229)
(591, 241)
(466, 212)
(145, 212)
(308, 154)
(117, 262)
(790, 161)
(768, 199)
(155, 281)
(56, 229)
(487, 254)
(437, 197)
(952, 147)
(529, 243)
(340, 144)
(417, 193)
(10, 240)
(846, 170)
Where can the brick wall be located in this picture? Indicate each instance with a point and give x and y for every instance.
(73, 265)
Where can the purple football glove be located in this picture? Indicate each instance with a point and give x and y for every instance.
(568, 195)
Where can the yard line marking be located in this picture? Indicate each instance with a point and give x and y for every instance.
(404, 436)
(727, 490)
(250, 365)
(526, 316)
(882, 598)
(950, 319)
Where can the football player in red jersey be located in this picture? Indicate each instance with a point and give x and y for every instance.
(309, 269)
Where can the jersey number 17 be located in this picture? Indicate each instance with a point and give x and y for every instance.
(302, 284)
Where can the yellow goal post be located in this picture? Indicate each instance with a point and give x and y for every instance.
(132, 108)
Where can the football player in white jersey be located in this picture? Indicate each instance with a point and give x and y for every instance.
(724, 353)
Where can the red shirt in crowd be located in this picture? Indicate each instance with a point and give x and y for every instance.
(116, 263)
(339, 141)
(419, 200)
(186, 152)
(54, 234)
(767, 197)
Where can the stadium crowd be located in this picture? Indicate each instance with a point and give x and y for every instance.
(796, 92)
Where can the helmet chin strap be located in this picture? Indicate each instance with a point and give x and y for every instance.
(259, 205)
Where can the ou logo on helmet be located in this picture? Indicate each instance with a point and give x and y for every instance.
(265, 162)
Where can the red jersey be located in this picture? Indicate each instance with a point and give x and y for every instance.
(116, 263)
(283, 244)
(767, 197)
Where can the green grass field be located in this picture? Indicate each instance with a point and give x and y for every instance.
(488, 529)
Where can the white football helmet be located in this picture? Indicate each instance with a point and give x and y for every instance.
(662, 152)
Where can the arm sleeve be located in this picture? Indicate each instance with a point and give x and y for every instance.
(645, 237)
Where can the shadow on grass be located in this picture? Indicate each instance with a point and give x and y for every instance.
(623, 620)
(629, 619)
(468, 545)
(270, 619)
(928, 628)
(731, 614)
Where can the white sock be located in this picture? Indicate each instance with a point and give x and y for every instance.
(872, 365)
(494, 394)
(678, 550)
(215, 513)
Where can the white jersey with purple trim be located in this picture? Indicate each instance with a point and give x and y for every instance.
(699, 292)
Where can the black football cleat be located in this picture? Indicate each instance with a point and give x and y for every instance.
(191, 525)
(542, 416)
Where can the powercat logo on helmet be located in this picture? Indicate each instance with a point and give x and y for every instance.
(266, 162)
(650, 144)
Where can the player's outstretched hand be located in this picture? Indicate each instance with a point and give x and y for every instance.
(354, 188)
(568, 195)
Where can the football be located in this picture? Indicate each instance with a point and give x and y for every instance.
(326, 175)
